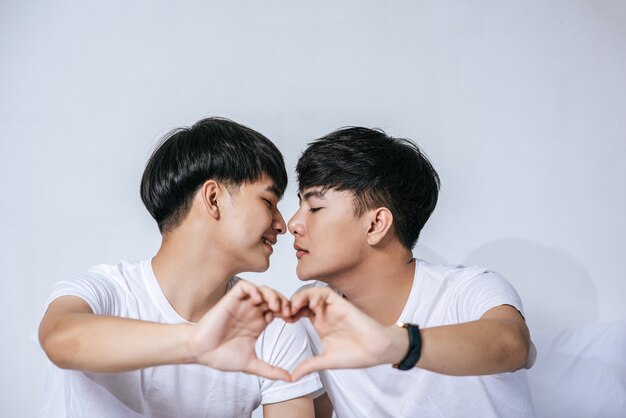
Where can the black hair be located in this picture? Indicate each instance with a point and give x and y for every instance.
(213, 148)
(379, 170)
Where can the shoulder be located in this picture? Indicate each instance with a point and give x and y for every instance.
(475, 290)
(120, 269)
(472, 289)
(101, 285)
(450, 272)
(457, 277)
(112, 274)
(122, 276)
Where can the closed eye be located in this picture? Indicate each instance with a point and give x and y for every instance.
(269, 203)
(314, 210)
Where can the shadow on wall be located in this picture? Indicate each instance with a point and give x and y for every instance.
(581, 365)
(555, 287)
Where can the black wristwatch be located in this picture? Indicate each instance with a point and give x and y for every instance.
(415, 347)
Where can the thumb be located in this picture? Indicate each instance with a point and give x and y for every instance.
(264, 369)
(313, 364)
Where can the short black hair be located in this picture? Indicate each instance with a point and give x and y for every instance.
(213, 148)
(379, 170)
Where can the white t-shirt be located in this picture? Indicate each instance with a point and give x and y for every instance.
(132, 291)
(440, 295)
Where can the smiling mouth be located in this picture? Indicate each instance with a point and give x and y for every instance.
(269, 244)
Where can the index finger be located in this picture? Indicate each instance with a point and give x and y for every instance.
(276, 301)
(243, 290)
(310, 298)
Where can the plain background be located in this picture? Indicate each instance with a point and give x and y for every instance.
(521, 106)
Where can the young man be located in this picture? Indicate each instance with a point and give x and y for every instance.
(213, 190)
(364, 198)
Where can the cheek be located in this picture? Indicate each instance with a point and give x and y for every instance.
(338, 240)
(240, 232)
(255, 223)
(334, 251)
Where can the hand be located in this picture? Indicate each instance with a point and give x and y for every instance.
(225, 337)
(351, 339)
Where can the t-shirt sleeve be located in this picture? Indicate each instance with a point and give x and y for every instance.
(102, 293)
(481, 292)
(285, 345)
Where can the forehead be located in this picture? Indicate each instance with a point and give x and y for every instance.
(325, 194)
(312, 192)
(264, 184)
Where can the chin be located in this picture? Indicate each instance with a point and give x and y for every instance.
(259, 267)
(301, 274)
(304, 275)
(323, 272)
(264, 267)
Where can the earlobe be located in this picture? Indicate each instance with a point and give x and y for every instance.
(380, 224)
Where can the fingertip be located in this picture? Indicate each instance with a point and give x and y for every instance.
(297, 297)
(276, 305)
(297, 375)
(294, 305)
(275, 375)
(285, 309)
(295, 308)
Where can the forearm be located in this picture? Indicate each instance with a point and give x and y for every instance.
(104, 344)
(481, 347)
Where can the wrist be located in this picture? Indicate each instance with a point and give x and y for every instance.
(189, 350)
(398, 345)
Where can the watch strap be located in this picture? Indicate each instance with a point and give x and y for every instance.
(415, 347)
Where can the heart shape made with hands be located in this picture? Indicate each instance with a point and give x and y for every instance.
(225, 337)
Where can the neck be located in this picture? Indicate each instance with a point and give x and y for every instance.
(192, 278)
(379, 286)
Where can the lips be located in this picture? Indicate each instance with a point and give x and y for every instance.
(269, 242)
(300, 252)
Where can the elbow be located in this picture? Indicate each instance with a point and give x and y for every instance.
(516, 351)
(57, 349)
(52, 352)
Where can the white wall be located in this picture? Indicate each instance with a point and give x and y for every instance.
(521, 106)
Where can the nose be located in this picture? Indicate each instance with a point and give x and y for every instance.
(296, 226)
(279, 223)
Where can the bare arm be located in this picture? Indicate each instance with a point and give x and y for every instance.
(74, 338)
(298, 407)
(323, 407)
(498, 342)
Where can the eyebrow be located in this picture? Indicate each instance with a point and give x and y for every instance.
(273, 189)
(312, 193)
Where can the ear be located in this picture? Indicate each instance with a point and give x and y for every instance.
(381, 221)
(211, 193)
